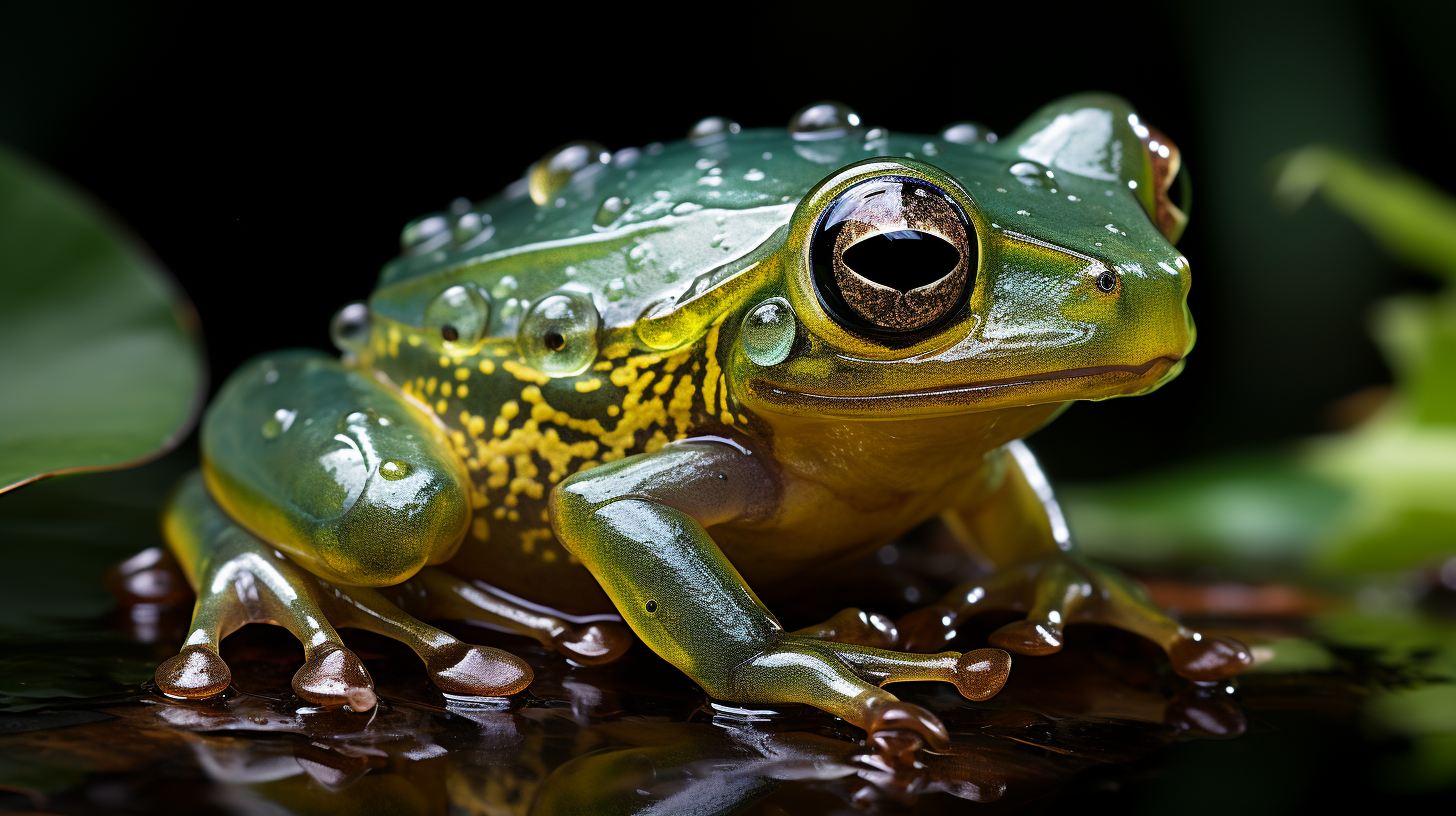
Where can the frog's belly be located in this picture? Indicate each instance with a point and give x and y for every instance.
(519, 554)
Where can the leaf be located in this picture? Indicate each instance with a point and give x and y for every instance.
(1248, 513)
(1410, 217)
(99, 365)
(1417, 334)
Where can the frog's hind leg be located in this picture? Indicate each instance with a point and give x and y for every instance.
(435, 593)
(240, 579)
(1019, 528)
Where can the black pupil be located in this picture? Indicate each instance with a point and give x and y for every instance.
(903, 259)
(554, 340)
(652, 606)
(449, 333)
(1106, 282)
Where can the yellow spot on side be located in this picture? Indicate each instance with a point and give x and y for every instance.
(462, 391)
(441, 407)
(510, 410)
(445, 389)
(480, 529)
(586, 386)
(525, 373)
(462, 373)
(487, 367)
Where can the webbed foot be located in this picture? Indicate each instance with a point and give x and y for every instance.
(1064, 588)
(846, 679)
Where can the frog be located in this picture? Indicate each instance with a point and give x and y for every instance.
(637, 395)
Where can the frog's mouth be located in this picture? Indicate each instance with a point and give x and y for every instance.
(1092, 382)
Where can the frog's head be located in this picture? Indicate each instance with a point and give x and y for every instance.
(1036, 270)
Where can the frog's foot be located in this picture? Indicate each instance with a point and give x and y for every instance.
(855, 626)
(1064, 588)
(435, 593)
(240, 580)
(846, 679)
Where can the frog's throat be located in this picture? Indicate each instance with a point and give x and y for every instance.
(1094, 382)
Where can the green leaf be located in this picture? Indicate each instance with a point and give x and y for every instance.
(1414, 220)
(99, 366)
(1418, 336)
(1250, 514)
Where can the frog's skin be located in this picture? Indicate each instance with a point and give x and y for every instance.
(617, 386)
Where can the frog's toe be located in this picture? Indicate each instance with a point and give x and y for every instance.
(980, 674)
(594, 644)
(1029, 637)
(891, 720)
(478, 671)
(194, 673)
(1208, 658)
(856, 626)
(335, 677)
(927, 629)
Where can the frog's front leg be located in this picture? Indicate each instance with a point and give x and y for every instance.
(359, 490)
(1020, 531)
(639, 525)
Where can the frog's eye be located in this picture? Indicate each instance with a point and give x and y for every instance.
(559, 335)
(1171, 190)
(892, 256)
(460, 315)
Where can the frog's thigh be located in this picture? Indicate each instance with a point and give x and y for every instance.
(341, 473)
(240, 580)
(1020, 530)
(638, 526)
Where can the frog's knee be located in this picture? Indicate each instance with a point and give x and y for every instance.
(335, 469)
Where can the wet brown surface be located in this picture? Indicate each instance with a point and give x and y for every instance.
(631, 737)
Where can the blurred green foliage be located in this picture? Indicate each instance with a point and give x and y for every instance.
(1357, 510)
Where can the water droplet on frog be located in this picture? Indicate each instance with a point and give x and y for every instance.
(394, 469)
(1033, 175)
(768, 332)
(559, 335)
(418, 233)
(467, 226)
(823, 120)
(754, 174)
(611, 210)
(712, 129)
(875, 134)
(459, 206)
(504, 287)
(350, 328)
(626, 157)
(550, 175)
(280, 422)
(967, 132)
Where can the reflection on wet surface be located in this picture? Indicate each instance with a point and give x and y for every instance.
(82, 730)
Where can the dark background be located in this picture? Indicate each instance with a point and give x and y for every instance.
(269, 160)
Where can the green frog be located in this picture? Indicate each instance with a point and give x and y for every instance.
(641, 390)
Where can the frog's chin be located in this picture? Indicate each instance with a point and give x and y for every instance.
(1092, 382)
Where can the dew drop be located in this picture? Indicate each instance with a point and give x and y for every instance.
(823, 120)
(712, 129)
(768, 332)
(967, 132)
(550, 175)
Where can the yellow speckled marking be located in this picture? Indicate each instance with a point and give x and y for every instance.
(487, 367)
(586, 386)
(462, 373)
